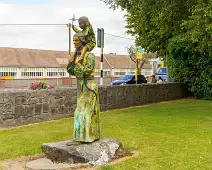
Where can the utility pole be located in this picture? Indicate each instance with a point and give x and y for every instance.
(70, 41)
(139, 57)
(70, 32)
(136, 72)
(102, 58)
(100, 44)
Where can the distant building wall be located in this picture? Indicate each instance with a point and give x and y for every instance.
(30, 73)
(28, 106)
(16, 73)
(20, 77)
(60, 82)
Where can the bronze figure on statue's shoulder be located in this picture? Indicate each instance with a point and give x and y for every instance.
(90, 38)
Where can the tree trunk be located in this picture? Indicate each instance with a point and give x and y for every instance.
(140, 65)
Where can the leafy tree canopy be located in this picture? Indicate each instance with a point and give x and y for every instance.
(182, 29)
(190, 53)
(154, 22)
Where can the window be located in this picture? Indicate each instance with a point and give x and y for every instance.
(127, 77)
(4, 74)
(122, 73)
(56, 74)
(52, 74)
(119, 73)
(32, 74)
(106, 74)
(62, 74)
(97, 72)
(162, 71)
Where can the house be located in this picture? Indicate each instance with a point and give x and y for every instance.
(122, 64)
(29, 64)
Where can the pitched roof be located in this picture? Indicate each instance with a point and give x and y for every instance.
(122, 62)
(19, 57)
(98, 62)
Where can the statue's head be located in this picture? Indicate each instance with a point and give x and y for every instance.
(79, 40)
(84, 22)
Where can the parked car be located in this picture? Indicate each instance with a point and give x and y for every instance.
(129, 79)
(162, 73)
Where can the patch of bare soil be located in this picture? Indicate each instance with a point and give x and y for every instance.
(20, 163)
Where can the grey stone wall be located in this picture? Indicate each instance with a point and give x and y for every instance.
(117, 97)
(27, 106)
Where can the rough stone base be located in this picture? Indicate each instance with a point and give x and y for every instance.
(97, 153)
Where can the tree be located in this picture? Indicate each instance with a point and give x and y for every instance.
(154, 22)
(190, 53)
(181, 29)
(145, 56)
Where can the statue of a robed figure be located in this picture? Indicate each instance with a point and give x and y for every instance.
(86, 146)
(82, 65)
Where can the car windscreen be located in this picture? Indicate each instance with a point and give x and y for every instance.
(126, 77)
(162, 71)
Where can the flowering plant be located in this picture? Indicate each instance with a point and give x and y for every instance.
(41, 85)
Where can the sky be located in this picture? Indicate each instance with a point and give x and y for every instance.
(59, 12)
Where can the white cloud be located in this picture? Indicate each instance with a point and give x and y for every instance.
(56, 37)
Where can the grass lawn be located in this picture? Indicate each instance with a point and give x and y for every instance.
(172, 135)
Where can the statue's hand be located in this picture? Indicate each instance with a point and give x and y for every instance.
(71, 60)
(79, 59)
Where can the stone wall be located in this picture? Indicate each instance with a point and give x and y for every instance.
(116, 97)
(27, 106)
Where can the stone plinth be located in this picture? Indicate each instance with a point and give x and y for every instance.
(97, 153)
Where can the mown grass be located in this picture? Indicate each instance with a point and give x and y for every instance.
(172, 135)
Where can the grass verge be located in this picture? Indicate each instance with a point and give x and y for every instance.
(171, 135)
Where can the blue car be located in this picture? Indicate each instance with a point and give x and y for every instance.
(129, 79)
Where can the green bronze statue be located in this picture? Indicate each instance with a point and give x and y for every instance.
(86, 116)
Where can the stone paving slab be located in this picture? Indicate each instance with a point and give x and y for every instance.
(46, 164)
(34, 163)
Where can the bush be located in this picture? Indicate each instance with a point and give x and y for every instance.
(188, 64)
(190, 53)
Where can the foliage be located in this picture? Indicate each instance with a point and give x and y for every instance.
(190, 53)
(40, 85)
(180, 29)
(153, 22)
(132, 53)
(167, 135)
